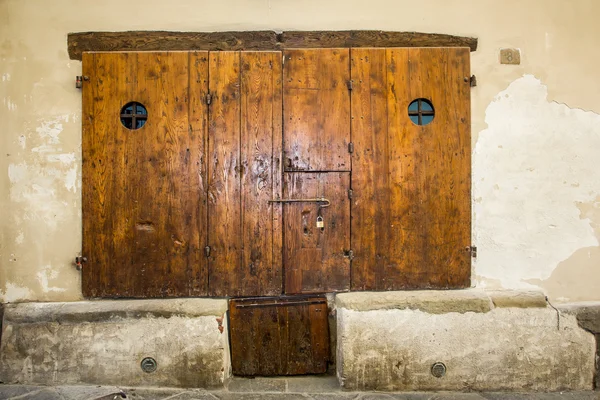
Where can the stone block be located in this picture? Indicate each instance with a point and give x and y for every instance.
(505, 349)
(429, 301)
(104, 342)
(517, 298)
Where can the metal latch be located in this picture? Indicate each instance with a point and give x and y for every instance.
(207, 251)
(350, 147)
(349, 254)
(208, 98)
(350, 84)
(326, 202)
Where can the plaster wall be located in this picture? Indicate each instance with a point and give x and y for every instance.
(536, 188)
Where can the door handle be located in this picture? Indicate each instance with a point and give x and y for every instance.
(326, 202)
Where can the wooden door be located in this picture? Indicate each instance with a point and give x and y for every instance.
(316, 138)
(143, 197)
(244, 170)
(279, 336)
(411, 207)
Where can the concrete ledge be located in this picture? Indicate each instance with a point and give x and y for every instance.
(441, 301)
(506, 348)
(105, 310)
(104, 342)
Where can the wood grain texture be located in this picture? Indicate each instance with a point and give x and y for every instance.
(371, 241)
(198, 130)
(224, 171)
(427, 225)
(315, 260)
(245, 132)
(315, 81)
(81, 42)
(143, 231)
(260, 271)
(279, 336)
(104, 197)
(372, 38)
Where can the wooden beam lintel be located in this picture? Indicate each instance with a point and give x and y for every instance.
(81, 42)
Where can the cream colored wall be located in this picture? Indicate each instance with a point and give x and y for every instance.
(536, 184)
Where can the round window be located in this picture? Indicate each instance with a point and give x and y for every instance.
(133, 115)
(421, 111)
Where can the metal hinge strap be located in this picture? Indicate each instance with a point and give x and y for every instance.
(208, 99)
(473, 81)
(350, 193)
(350, 84)
(207, 251)
(350, 147)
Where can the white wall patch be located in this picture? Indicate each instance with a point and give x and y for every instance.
(531, 167)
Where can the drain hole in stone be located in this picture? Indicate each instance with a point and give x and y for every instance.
(438, 369)
(148, 364)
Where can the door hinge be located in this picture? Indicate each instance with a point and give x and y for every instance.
(350, 193)
(350, 84)
(208, 98)
(350, 147)
(349, 254)
(473, 81)
(79, 261)
(207, 251)
(79, 81)
(472, 250)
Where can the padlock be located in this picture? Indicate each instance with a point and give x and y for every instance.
(320, 223)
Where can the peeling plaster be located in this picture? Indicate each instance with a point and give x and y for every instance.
(37, 182)
(532, 166)
(14, 293)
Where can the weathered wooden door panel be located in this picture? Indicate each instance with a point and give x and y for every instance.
(142, 199)
(244, 150)
(316, 260)
(411, 206)
(279, 336)
(316, 110)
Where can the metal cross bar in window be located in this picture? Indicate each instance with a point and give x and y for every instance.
(424, 108)
(134, 115)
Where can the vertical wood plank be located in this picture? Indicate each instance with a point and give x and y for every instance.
(316, 80)
(167, 206)
(245, 147)
(259, 273)
(319, 335)
(224, 171)
(198, 131)
(315, 260)
(405, 154)
(105, 195)
(370, 170)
